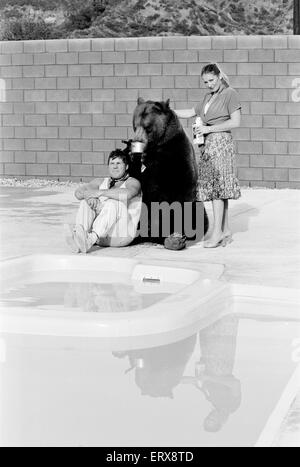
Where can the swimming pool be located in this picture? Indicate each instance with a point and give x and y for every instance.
(197, 361)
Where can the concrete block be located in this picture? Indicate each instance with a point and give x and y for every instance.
(249, 42)
(45, 83)
(11, 72)
(56, 45)
(236, 55)
(12, 47)
(81, 170)
(82, 95)
(100, 170)
(104, 120)
(6, 108)
(68, 83)
(263, 134)
(279, 121)
(262, 108)
(241, 134)
(57, 120)
(263, 56)
(7, 132)
(91, 107)
(79, 70)
(275, 148)
(24, 108)
(80, 45)
(287, 55)
(264, 184)
(14, 169)
(126, 95)
(207, 56)
(146, 69)
(90, 57)
(224, 42)
(116, 82)
(103, 44)
(103, 145)
(25, 156)
(294, 121)
(114, 57)
(23, 83)
(137, 57)
(91, 83)
(128, 43)
(240, 82)
(250, 173)
(287, 108)
(35, 71)
(294, 175)
(35, 120)
(68, 108)
(147, 94)
(294, 69)
(175, 42)
(35, 96)
(150, 43)
(285, 82)
(44, 59)
(115, 133)
(92, 133)
(70, 58)
(45, 108)
(275, 42)
(36, 169)
(290, 162)
(185, 56)
(275, 95)
(80, 120)
(47, 132)
(70, 157)
(13, 120)
(262, 82)
(249, 147)
(22, 59)
(59, 169)
(123, 120)
(276, 174)
(275, 69)
(103, 95)
(47, 157)
(34, 47)
(139, 82)
(57, 145)
(262, 161)
(199, 42)
(35, 145)
(14, 96)
(290, 185)
(175, 95)
(188, 82)
(7, 156)
(162, 56)
(92, 158)
(25, 132)
(287, 135)
(129, 69)
(250, 69)
(57, 95)
(252, 121)
(242, 160)
(102, 70)
(56, 71)
(80, 145)
(250, 95)
(294, 42)
(162, 82)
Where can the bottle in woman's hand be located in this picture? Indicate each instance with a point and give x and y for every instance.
(197, 137)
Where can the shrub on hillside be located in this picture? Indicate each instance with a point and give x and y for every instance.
(26, 28)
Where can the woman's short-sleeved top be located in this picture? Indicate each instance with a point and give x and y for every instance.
(224, 103)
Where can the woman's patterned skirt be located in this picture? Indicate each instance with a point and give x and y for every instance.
(217, 169)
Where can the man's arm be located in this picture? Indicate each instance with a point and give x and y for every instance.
(133, 188)
(88, 190)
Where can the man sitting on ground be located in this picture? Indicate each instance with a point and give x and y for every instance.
(109, 210)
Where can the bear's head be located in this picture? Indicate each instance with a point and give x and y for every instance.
(151, 121)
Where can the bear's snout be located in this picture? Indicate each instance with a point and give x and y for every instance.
(140, 135)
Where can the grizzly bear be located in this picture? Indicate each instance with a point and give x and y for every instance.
(169, 175)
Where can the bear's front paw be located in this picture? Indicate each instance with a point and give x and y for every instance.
(175, 241)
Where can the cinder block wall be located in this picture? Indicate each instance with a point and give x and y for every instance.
(65, 104)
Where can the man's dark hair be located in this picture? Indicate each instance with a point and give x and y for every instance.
(119, 154)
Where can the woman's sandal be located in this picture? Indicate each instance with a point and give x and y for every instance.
(227, 240)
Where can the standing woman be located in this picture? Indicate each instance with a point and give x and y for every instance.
(220, 112)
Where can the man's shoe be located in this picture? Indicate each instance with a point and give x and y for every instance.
(175, 242)
(84, 240)
(69, 233)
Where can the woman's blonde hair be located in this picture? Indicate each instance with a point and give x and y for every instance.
(215, 69)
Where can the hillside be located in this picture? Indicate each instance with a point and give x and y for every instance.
(41, 19)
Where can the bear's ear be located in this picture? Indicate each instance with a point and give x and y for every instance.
(167, 103)
(140, 101)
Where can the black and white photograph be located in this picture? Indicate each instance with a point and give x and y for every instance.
(149, 226)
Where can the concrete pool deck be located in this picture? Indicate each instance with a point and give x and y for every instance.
(265, 250)
(265, 223)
